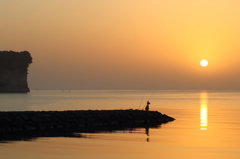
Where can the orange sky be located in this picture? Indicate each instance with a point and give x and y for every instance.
(127, 44)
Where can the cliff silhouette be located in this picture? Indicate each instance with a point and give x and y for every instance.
(14, 70)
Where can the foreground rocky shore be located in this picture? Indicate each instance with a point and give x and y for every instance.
(46, 120)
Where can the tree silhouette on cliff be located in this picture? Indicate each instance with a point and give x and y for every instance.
(12, 60)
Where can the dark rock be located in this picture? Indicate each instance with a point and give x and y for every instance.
(14, 70)
(30, 120)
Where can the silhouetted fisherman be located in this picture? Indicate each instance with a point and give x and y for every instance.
(147, 106)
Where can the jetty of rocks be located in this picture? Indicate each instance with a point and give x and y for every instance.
(42, 120)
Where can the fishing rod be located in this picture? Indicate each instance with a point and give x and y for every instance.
(142, 100)
(147, 100)
(152, 94)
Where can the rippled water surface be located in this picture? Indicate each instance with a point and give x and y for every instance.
(207, 126)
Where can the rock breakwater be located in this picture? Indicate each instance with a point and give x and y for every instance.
(41, 120)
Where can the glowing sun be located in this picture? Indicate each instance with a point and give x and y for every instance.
(204, 63)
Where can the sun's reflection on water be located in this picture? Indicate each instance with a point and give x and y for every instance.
(203, 111)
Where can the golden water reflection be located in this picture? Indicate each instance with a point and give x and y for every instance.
(203, 111)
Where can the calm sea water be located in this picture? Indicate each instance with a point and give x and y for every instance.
(207, 125)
